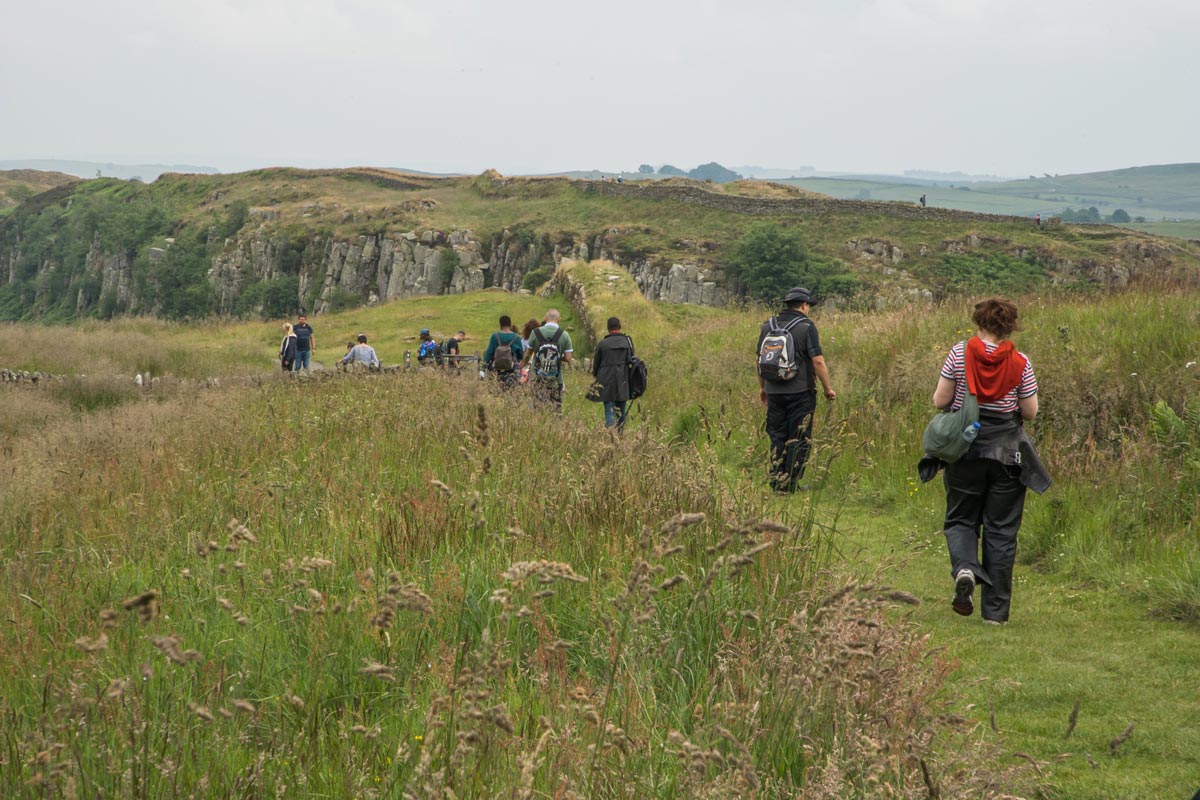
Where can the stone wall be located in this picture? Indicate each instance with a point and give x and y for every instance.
(787, 206)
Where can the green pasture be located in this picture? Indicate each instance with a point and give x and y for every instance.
(1000, 198)
(1185, 229)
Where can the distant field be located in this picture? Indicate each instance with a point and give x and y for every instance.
(940, 196)
(1188, 229)
(1025, 199)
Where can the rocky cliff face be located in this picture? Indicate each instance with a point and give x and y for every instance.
(370, 268)
(114, 272)
(681, 283)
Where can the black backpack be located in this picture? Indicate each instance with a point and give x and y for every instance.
(547, 359)
(637, 374)
(777, 358)
(502, 358)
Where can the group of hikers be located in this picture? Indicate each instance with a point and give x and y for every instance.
(535, 356)
(984, 380)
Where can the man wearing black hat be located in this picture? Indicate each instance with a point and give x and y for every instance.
(790, 394)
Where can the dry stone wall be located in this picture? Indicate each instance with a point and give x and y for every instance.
(783, 206)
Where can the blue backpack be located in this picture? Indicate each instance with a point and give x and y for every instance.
(429, 349)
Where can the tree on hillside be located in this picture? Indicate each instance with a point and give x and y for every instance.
(1120, 216)
(1082, 215)
(768, 260)
(668, 169)
(645, 169)
(712, 171)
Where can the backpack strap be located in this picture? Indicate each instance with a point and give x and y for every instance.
(557, 334)
(632, 352)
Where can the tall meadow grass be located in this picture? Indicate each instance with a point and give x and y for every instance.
(408, 585)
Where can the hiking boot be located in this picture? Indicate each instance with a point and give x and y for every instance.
(964, 587)
(987, 621)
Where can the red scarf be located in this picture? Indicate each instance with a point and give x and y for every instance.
(991, 376)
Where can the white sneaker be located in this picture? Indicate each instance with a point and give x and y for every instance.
(964, 587)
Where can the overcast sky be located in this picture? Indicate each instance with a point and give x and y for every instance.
(1007, 87)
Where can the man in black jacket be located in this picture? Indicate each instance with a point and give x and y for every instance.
(791, 403)
(610, 368)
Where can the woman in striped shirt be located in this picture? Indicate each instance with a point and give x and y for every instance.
(985, 489)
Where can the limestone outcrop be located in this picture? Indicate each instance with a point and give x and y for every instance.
(681, 283)
(369, 268)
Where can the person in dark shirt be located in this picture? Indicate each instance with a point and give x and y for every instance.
(506, 367)
(610, 368)
(450, 349)
(305, 343)
(791, 404)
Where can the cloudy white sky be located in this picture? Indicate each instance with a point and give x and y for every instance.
(1007, 87)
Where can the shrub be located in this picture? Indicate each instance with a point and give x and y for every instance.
(534, 279)
(271, 299)
(990, 274)
(769, 259)
(450, 262)
(341, 300)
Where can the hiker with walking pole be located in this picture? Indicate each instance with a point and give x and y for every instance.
(790, 363)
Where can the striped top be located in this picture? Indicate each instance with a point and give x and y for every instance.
(954, 370)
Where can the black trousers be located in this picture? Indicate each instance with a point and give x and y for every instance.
(789, 427)
(548, 393)
(985, 497)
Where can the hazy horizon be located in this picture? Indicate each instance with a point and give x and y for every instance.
(986, 87)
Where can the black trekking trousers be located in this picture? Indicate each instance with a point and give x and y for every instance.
(789, 427)
(985, 497)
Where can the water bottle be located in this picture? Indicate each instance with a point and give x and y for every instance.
(970, 432)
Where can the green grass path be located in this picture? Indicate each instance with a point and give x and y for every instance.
(1064, 642)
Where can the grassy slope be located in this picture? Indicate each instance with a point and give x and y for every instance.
(15, 184)
(1076, 633)
(1069, 640)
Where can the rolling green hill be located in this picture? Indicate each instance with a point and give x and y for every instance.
(17, 185)
(273, 240)
(1158, 193)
